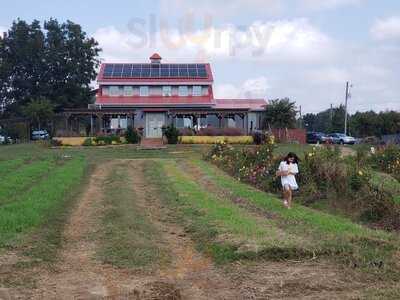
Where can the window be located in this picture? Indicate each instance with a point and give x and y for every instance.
(167, 90)
(105, 91)
(114, 91)
(183, 90)
(144, 91)
(196, 90)
(128, 91)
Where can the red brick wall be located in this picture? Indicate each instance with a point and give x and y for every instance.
(289, 135)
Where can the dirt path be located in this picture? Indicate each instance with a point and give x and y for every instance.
(77, 274)
(191, 272)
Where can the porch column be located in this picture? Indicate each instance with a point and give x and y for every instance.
(220, 116)
(91, 124)
(67, 116)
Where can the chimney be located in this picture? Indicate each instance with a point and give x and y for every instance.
(155, 58)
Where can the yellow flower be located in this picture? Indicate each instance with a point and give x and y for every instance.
(360, 173)
(310, 154)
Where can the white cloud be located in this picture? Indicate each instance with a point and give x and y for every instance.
(295, 41)
(250, 88)
(221, 8)
(327, 4)
(386, 29)
(272, 59)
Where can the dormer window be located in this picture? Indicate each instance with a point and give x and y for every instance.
(114, 91)
(196, 90)
(128, 91)
(167, 90)
(144, 91)
(183, 91)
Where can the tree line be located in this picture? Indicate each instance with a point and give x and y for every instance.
(283, 113)
(45, 68)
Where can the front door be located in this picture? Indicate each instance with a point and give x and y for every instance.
(154, 124)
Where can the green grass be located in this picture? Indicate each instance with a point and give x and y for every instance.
(25, 177)
(221, 229)
(127, 237)
(36, 205)
(8, 166)
(331, 234)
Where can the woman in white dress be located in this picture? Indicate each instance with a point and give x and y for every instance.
(287, 170)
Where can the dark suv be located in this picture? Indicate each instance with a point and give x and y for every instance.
(316, 137)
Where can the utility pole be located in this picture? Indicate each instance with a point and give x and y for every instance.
(345, 106)
(301, 118)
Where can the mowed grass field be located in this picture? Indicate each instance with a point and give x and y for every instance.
(151, 205)
(34, 184)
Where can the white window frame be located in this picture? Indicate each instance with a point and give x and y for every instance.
(197, 90)
(114, 91)
(128, 91)
(142, 90)
(167, 90)
(105, 91)
(183, 91)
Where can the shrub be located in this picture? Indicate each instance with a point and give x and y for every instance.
(55, 143)
(387, 159)
(212, 131)
(324, 174)
(215, 139)
(107, 140)
(132, 136)
(172, 134)
(186, 132)
(231, 131)
(87, 142)
(260, 137)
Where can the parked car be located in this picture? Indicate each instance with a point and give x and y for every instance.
(317, 137)
(341, 138)
(40, 135)
(4, 139)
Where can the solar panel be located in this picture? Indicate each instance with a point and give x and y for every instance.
(127, 71)
(155, 71)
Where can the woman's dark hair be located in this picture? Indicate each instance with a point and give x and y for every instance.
(292, 155)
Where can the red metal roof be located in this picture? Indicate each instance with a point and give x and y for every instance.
(153, 100)
(251, 104)
(155, 56)
(246, 104)
(206, 80)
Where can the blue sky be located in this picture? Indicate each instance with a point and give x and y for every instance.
(302, 49)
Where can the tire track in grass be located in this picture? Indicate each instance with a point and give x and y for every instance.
(77, 273)
(191, 272)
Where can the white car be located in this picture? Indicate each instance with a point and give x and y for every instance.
(340, 138)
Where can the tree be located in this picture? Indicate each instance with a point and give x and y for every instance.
(310, 121)
(365, 124)
(280, 113)
(57, 63)
(39, 111)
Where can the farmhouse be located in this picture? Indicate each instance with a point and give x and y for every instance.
(155, 94)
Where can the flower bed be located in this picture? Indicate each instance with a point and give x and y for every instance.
(387, 159)
(216, 139)
(324, 175)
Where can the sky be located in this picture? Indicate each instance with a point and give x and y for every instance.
(302, 49)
